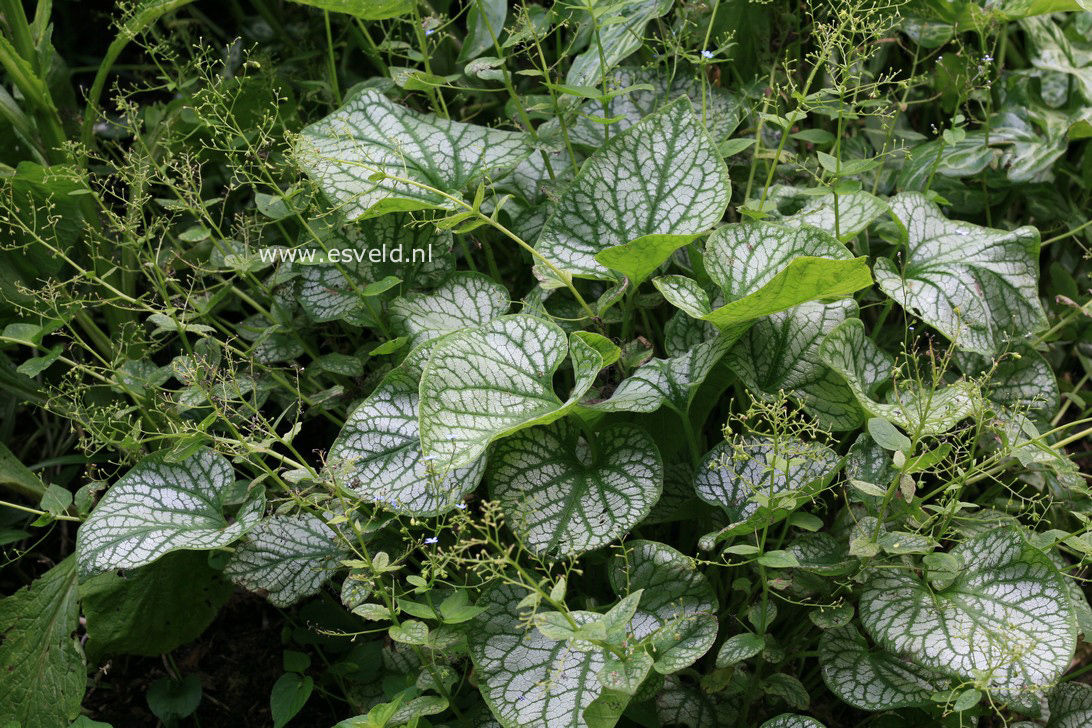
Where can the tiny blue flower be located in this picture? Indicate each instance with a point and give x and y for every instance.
(431, 540)
(707, 54)
(430, 31)
(429, 458)
(461, 506)
(987, 58)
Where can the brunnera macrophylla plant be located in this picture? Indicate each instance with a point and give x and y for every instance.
(690, 385)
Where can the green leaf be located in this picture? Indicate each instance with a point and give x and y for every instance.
(172, 700)
(180, 589)
(677, 615)
(751, 487)
(484, 24)
(871, 679)
(762, 268)
(977, 286)
(290, 693)
(485, 383)
(353, 153)
(562, 496)
(462, 301)
(286, 557)
(364, 9)
(378, 454)
(780, 353)
(18, 477)
(689, 705)
(620, 34)
(739, 647)
(849, 352)
(42, 667)
(662, 176)
(886, 436)
(1005, 622)
(159, 507)
(640, 257)
(778, 560)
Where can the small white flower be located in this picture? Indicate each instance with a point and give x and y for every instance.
(707, 54)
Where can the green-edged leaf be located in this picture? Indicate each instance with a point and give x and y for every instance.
(677, 615)
(484, 383)
(842, 216)
(680, 704)
(1004, 622)
(1070, 706)
(159, 507)
(562, 498)
(649, 89)
(739, 647)
(780, 353)
(637, 259)
(821, 553)
(620, 34)
(665, 382)
(662, 176)
(286, 557)
(1021, 379)
(354, 153)
(378, 453)
(182, 592)
(977, 286)
(525, 677)
(871, 679)
(462, 301)
(42, 674)
(851, 354)
(792, 720)
(363, 9)
(762, 268)
(750, 483)
(363, 254)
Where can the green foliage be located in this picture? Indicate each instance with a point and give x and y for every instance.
(581, 364)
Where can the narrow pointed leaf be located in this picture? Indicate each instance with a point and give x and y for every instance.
(484, 383)
(351, 152)
(618, 38)
(561, 499)
(1005, 620)
(286, 557)
(662, 176)
(159, 507)
(977, 286)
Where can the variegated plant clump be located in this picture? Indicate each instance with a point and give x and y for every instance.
(713, 370)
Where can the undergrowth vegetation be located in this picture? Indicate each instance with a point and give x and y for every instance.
(551, 364)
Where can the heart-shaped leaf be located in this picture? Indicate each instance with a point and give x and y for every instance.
(287, 557)
(677, 616)
(662, 177)
(378, 453)
(484, 383)
(762, 268)
(844, 216)
(780, 353)
(1005, 622)
(977, 286)
(849, 352)
(871, 679)
(562, 496)
(761, 478)
(462, 301)
(355, 152)
(159, 507)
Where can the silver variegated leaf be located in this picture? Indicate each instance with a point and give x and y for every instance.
(792, 720)
(677, 615)
(760, 479)
(843, 216)
(680, 704)
(562, 497)
(378, 453)
(871, 679)
(355, 154)
(619, 35)
(1005, 621)
(1021, 379)
(865, 368)
(762, 268)
(977, 286)
(286, 557)
(661, 177)
(462, 301)
(159, 507)
(484, 383)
